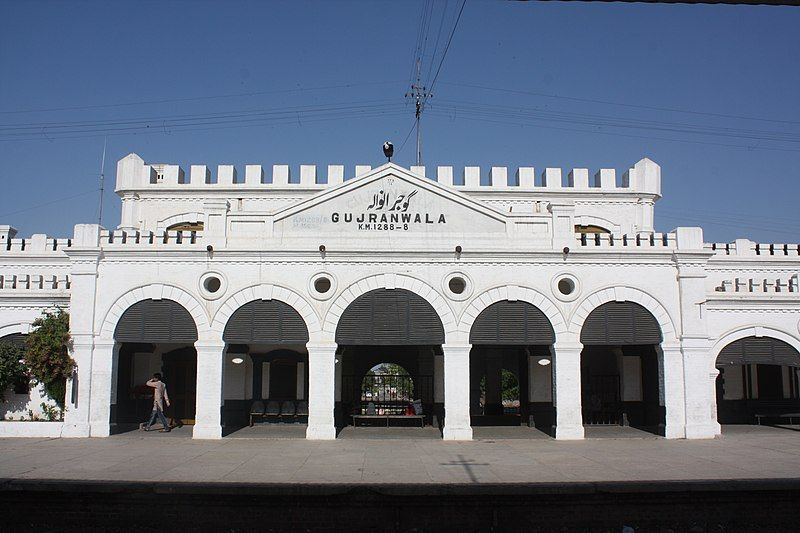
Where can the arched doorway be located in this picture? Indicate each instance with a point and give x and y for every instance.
(155, 336)
(19, 396)
(757, 376)
(511, 341)
(621, 365)
(266, 365)
(387, 326)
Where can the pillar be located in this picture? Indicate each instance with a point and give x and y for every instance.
(84, 257)
(210, 367)
(700, 390)
(79, 389)
(321, 391)
(567, 391)
(699, 374)
(456, 392)
(104, 358)
(672, 392)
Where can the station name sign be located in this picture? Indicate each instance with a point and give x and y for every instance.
(389, 212)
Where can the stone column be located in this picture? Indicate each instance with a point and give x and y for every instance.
(84, 257)
(699, 381)
(567, 390)
(103, 362)
(210, 368)
(672, 392)
(79, 389)
(698, 366)
(456, 392)
(321, 391)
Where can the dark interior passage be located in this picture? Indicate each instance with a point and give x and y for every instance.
(621, 368)
(758, 381)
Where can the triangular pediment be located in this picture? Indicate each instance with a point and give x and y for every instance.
(389, 199)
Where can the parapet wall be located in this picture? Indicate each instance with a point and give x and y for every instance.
(133, 174)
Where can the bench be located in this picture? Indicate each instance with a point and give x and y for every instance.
(421, 418)
(790, 416)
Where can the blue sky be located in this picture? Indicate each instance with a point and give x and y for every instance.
(523, 83)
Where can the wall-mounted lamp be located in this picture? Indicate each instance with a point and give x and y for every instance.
(458, 251)
(566, 250)
(322, 248)
(237, 360)
(210, 249)
(543, 361)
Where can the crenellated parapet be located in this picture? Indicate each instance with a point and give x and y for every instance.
(134, 174)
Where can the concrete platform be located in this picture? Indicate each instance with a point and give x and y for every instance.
(743, 452)
(747, 480)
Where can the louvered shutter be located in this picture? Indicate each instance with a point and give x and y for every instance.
(620, 323)
(17, 339)
(389, 317)
(154, 321)
(507, 323)
(758, 350)
(266, 322)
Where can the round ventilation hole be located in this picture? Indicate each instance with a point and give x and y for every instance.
(566, 286)
(457, 285)
(322, 285)
(212, 284)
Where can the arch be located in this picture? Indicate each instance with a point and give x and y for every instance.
(604, 223)
(287, 326)
(620, 323)
(625, 294)
(156, 321)
(389, 281)
(267, 292)
(155, 291)
(390, 317)
(507, 322)
(512, 293)
(743, 333)
(19, 328)
(758, 350)
(192, 217)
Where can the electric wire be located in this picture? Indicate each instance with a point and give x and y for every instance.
(199, 98)
(201, 116)
(46, 204)
(447, 46)
(596, 132)
(479, 110)
(621, 104)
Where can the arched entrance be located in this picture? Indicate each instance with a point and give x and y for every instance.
(387, 326)
(155, 336)
(757, 376)
(511, 342)
(19, 395)
(266, 366)
(621, 365)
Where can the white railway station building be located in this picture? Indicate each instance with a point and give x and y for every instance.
(268, 289)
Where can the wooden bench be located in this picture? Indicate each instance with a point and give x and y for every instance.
(421, 418)
(790, 416)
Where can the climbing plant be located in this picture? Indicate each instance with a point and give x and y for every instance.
(11, 368)
(47, 353)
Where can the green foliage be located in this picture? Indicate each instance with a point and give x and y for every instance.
(47, 353)
(10, 366)
(510, 386)
(51, 412)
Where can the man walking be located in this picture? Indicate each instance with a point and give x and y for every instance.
(159, 397)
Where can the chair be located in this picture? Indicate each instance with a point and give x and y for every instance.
(288, 410)
(256, 409)
(273, 409)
